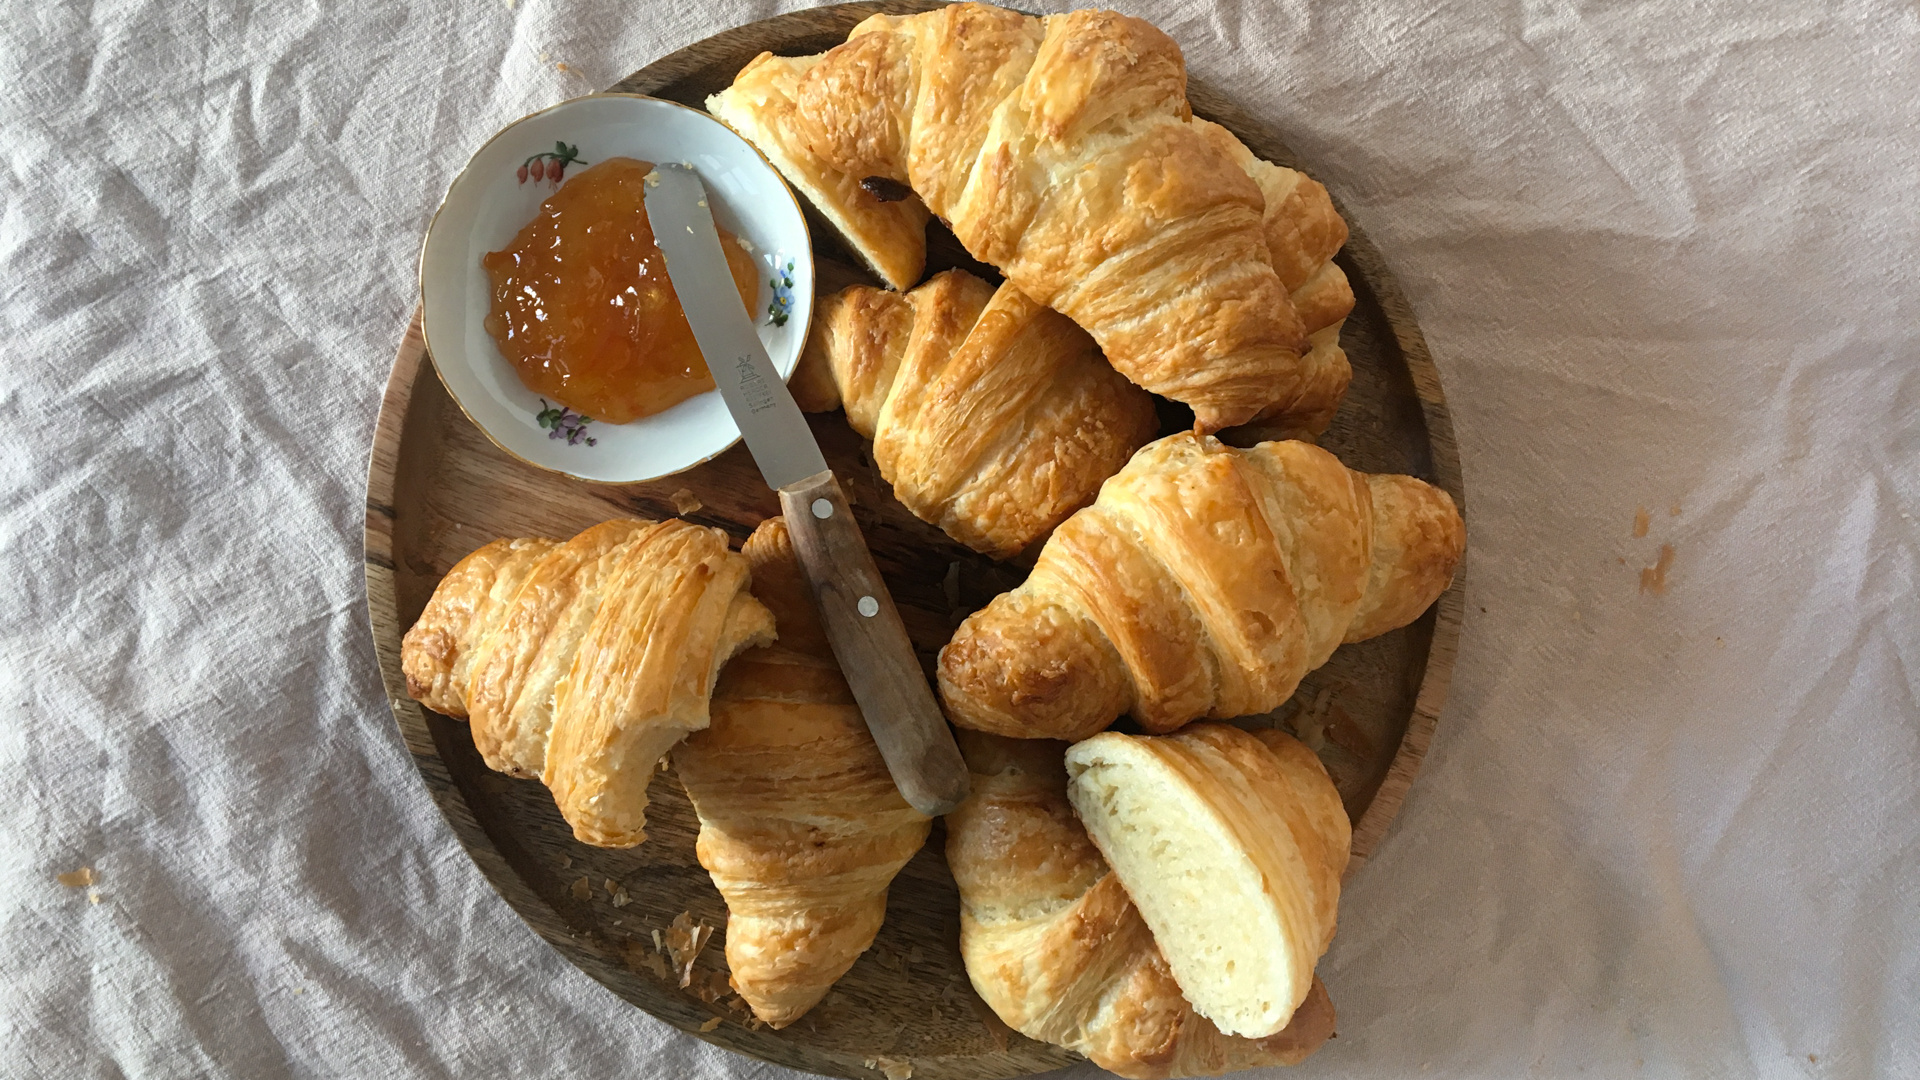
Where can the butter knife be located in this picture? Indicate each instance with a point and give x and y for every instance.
(862, 625)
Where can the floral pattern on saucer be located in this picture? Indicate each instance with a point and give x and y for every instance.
(550, 165)
(563, 423)
(781, 308)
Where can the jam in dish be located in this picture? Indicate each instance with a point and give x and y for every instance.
(582, 306)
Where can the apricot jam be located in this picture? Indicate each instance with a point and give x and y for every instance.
(582, 307)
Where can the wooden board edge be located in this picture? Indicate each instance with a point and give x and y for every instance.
(1372, 827)
(383, 459)
(1450, 609)
(769, 33)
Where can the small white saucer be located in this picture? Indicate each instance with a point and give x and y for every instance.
(489, 202)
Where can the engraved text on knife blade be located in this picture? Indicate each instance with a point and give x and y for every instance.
(753, 389)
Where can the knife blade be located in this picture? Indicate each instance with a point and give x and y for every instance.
(772, 425)
(862, 625)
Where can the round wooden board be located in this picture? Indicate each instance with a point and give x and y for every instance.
(437, 489)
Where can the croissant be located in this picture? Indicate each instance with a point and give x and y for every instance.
(890, 236)
(1203, 581)
(1231, 845)
(437, 653)
(992, 417)
(1303, 232)
(1063, 151)
(1053, 945)
(583, 662)
(801, 826)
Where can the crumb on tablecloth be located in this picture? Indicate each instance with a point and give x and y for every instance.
(1653, 579)
(76, 879)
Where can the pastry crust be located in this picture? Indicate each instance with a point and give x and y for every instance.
(992, 416)
(675, 613)
(801, 826)
(1063, 151)
(586, 660)
(1055, 947)
(891, 237)
(1417, 543)
(437, 653)
(1303, 232)
(1231, 844)
(518, 664)
(1204, 581)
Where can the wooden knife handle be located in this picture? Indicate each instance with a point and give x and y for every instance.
(871, 643)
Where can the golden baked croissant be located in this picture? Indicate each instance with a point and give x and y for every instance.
(1063, 151)
(437, 653)
(891, 236)
(801, 826)
(1056, 949)
(1204, 581)
(992, 417)
(1303, 232)
(1231, 844)
(588, 671)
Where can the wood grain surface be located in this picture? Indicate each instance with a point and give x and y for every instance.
(437, 489)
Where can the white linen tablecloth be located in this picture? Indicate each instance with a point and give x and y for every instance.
(1667, 256)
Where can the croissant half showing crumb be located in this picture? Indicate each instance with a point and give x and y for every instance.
(1231, 844)
(582, 663)
(1054, 946)
(1204, 581)
(1063, 151)
(801, 826)
(992, 416)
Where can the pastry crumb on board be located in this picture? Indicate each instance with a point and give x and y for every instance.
(998, 1033)
(685, 502)
(647, 961)
(892, 1068)
(684, 941)
(713, 987)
